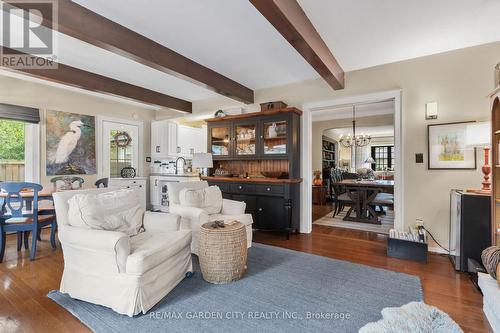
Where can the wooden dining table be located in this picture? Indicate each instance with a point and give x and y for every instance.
(44, 194)
(363, 193)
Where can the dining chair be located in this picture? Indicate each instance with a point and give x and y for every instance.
(340, 197)
(68, 182)
(15, 218)
(101, 183)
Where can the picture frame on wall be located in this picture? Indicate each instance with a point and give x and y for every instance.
(447, 147)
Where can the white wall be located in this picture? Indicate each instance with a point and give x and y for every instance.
(33, 94)
(458, 80)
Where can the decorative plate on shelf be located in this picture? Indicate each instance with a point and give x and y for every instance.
(128, 172)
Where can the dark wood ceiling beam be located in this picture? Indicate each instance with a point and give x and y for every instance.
(79, 22)
(82, 79)
(293, 24)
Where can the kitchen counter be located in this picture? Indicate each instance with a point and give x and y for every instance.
(174, 175)
(254, 180)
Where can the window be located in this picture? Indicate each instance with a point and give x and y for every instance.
(11, 150)
(384, 158)
(19, 151)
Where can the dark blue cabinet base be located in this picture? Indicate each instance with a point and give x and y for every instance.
(273, 206)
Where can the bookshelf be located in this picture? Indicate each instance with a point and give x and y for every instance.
(329, 156)
(495, 145)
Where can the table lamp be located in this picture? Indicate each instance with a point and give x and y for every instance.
(479, 135)
(370, 160)
(203, 161)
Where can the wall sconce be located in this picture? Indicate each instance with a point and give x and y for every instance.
(431, 110)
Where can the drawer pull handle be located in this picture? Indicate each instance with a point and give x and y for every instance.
(240, 187)
(260, 209)
(269, 189)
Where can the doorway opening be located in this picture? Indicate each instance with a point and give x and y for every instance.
(354, 145)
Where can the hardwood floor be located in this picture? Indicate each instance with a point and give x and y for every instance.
(24, 284)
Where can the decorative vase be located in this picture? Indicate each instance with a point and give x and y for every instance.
(317, 181)
(271, 131)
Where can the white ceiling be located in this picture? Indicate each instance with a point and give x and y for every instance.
(234, 39)
(228, 36)
(365, 33)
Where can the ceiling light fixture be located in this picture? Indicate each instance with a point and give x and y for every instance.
(354, 140)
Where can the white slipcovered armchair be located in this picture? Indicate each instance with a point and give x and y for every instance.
(129, 274)
(192, 218)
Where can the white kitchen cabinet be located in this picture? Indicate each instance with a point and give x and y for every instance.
(160, 200)
(138, 184)
(164, 139)
(191, 140)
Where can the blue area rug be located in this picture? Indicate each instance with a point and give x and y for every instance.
(282, 291)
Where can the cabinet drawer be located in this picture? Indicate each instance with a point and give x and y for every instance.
(269, 189)
(242, 188)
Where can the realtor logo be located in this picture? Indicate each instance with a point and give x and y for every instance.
(27, 43)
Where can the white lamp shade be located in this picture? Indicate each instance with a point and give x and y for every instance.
(202, 160)
(478, 134)
(370, 160)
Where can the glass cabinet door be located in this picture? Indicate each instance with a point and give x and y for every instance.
(275, 137)
(245, 138)
(220, 139)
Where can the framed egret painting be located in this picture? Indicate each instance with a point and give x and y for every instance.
(70, 144)
(448, 147)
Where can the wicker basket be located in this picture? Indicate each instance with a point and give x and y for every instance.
(223, 252)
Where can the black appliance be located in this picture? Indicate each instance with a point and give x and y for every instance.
(470, 227)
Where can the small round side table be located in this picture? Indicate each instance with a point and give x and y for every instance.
(223, 252)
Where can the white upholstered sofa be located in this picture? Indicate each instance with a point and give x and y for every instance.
(192, 217)
(491, 299)
(129, 274)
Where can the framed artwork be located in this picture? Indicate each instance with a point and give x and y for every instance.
(70, 148)
(447, 148)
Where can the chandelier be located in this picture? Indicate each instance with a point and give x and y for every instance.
(354, 140)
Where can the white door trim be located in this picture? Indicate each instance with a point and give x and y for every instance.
(100, 142)
(32, 152)
(306, 147)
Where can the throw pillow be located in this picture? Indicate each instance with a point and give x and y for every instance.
(113, 211)
(491, 259)
(209, 199)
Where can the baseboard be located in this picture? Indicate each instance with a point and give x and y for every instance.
(437, 249)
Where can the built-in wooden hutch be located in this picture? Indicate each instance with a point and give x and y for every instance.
(257, 160)
(495, 125)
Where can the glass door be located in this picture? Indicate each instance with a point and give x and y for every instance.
(275, 137)
(245, 138)
(220, 140)
(121, 148)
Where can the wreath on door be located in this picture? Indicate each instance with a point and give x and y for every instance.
(122, 139)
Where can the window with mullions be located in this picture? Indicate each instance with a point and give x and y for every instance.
(384, 158)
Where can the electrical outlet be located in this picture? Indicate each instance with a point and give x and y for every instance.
(419, 223)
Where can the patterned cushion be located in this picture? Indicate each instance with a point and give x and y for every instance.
(491, 259)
